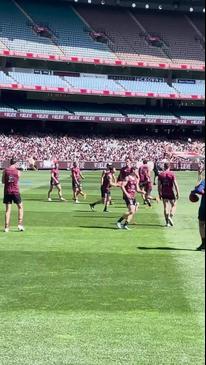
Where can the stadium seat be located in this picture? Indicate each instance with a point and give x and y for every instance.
(190, 89)
(4, 79)
(147, 87)
(128, 41)
(36, 79)
(71, 34)
(17, 35)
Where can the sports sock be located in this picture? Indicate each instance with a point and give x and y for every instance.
(121, 220)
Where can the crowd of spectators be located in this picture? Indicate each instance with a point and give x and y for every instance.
(92, 149)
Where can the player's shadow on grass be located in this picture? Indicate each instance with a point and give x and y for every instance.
(147, 225)
(166, 249)
(95, 216)
(98, 227)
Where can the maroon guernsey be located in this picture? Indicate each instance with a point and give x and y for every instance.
(76, 174)
(131, 187)
(11, 186)
(55, 176)
(144, 174)
(124, 172)
(107, 181)
(167, 180)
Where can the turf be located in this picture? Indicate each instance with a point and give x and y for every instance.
(75, 291)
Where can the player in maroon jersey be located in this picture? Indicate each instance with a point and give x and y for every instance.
(108, 180)
(130, 188)
(145, 182)
(10, 179)
(125, 171)
(55, 183)
(77, 178)
(169, 193)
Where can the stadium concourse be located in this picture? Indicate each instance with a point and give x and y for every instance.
(86, 279)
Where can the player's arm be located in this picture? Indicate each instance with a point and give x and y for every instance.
(102, 177)
(148, 173)
(200, 189)
(140, 191)
(124, 184)
(177, 189)
(3, 178)
(114, 179)
(160, 188)
(120, 176)
(82, 176)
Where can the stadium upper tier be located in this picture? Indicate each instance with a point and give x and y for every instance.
(102, 83)
(106, 34)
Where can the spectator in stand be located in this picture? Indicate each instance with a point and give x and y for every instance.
(93, 149)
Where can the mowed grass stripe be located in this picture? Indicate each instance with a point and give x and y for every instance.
(87, 295)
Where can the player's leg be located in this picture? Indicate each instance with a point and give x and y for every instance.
(81, 192)
(124, 221)
(59, 188)
(75, 194)
(148, 195)
(167, 208)
(107, 202)
(173, 209)
(20, 217)
(201, 218)
(100, 201)
(50, 192)
(7, 217)
(130, 216)
(202, 235)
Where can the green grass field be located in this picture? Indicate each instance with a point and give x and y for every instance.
(76, 291)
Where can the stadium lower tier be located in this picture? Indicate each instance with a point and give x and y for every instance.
(100, 113)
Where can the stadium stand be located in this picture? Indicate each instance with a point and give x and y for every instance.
(125, 41)
(6, 108)
(35, 79)
(85, 109)
(98, 83)
(129, 40)
(199, 22)
(71, 34)
(4, 79)
(190, 88)
(190, 114)
(147, 87)
(91, 148)
(16, 32)
(93, 83)
(180, 40)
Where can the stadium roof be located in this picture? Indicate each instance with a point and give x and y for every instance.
(172, 5)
